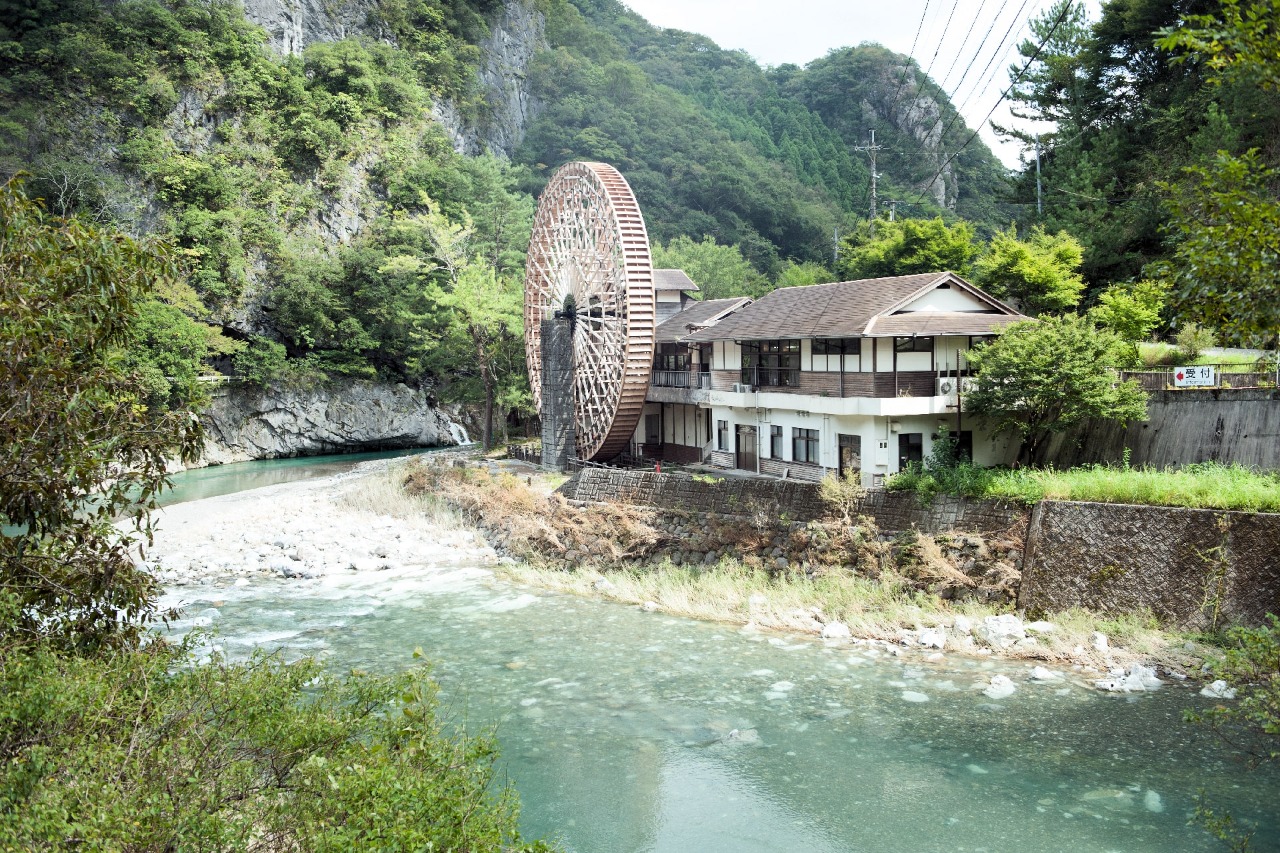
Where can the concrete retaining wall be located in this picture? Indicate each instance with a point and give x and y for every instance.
(1222, 425)
(1193, 568)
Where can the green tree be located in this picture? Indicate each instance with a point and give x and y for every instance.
(79, 446)
(907, 246)
(1038, 273)
(1225, 267)
(1131, 309)
(1046, 376)
(719, 271)
(1243, 42)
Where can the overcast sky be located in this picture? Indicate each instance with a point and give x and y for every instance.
(955, 52)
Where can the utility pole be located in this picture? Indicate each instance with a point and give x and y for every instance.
(835, 247)
(893, 208)
(1039, 201)
(872, 149)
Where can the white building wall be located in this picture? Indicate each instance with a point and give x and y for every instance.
(945, 299)
(879, 436)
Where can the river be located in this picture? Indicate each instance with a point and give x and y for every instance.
(624, 730)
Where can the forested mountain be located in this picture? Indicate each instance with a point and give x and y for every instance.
(338, 177)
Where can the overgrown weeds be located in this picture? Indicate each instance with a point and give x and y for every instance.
(1204, 485)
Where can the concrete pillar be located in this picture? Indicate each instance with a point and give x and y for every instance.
(558, 436)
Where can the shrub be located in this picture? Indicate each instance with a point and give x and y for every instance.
(138, 750)
(1193, 339)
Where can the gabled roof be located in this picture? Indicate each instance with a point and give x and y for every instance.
(850, 309)
(673, 280)
(698, 315)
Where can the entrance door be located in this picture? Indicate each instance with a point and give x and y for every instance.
(910, 449)
(745, 448)
(653, 429)
(850, 454)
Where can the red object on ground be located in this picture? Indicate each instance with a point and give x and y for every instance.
(657, 467)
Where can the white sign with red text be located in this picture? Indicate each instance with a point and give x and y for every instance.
(1194, 377)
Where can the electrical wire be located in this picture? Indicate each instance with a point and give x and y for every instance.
(1062, 16)
(906, 66)
(964, 42)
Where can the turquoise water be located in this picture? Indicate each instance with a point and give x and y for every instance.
(631, 731)
(198, 483)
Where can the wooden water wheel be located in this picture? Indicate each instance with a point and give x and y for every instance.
(589, 242)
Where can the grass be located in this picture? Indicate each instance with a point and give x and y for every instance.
(1205, 485)
(1156, 356)
(873, 608)
(384, 493)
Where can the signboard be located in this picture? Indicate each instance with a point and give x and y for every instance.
(1194, 377)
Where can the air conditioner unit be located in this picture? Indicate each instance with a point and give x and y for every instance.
(968, 383)
(946, 386)
(741, 388)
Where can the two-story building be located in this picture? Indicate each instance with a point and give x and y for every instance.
(854, 376)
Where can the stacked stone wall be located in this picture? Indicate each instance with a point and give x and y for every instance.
(1194, 568)
(797, 500)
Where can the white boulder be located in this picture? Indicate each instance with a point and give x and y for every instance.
(1000, 687)
(931, 638)
(836, 631)
(1218, 690)
(1001, 631)
(1138, 679)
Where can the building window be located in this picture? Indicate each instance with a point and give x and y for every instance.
(837, 346)
(804, 445)
(771, 363)
(671, 357)
(722, 435)
(913, 344)
(775, 441)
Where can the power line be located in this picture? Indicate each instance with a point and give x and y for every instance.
(1062, 16)
(906, 66)
(945, 27)
(990, 68)
(960, 51)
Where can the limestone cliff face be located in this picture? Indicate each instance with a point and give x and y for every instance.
(294, 24)
(515, 36)
(247, 423)
(919, 116)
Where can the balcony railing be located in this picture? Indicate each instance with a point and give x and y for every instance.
(670, 378)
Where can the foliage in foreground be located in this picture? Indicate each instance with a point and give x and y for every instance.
(109, 740)
(1203, 485)
(79, 446)
(1252, 664)
(132, 750)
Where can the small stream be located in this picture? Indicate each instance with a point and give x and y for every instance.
(631, 731)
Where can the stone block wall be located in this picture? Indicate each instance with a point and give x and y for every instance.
(799, 500)
(1193, 568)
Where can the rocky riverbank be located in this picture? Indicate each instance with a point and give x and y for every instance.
(363, 522)
(346, 523)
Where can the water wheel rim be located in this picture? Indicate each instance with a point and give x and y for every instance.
(589, 240)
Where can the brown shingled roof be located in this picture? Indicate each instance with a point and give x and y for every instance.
(846, 309)
(673, 280)
(698, 314)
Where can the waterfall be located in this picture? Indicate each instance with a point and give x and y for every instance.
(459, 434)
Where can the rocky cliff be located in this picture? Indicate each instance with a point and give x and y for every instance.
(246, 422)
(516, 33)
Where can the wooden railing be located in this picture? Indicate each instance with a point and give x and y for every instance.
(1225, 376)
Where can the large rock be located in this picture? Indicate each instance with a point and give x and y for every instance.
(246, 422)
